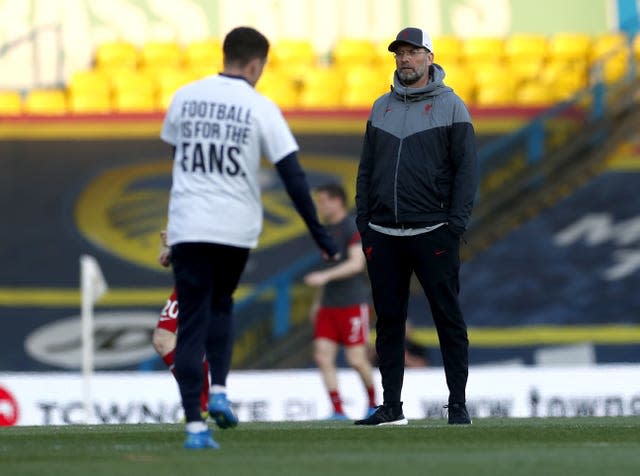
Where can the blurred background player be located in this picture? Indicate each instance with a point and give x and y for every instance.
(164, 335)
(340, 310)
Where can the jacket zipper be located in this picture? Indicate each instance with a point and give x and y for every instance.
(395, 177)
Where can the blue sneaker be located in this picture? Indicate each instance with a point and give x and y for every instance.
(370, 411)
(338, 416)
(201, 440)
(220, 410)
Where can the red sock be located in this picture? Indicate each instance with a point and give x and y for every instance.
(204, 393)
(336, 402)
(168, 360)
(371, 392)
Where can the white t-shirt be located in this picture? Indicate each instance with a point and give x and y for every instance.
(221, 127)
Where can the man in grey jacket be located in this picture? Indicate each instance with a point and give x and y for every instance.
(417, 180)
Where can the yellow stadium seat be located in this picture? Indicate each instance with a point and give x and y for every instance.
(136, 80)
(10, 103)
(353, 52)
(607, 45)
(447, 50)
(281, 93)
(524, 69)
(483, 49)
(569, 46)
(458, 74)
(611, 55)
(564, 71)
(615, 68)
(534, 94)
(283, 97)
(357, 98)
(161, 54)
(164, 100)
(322, 89)
(567, 86)
(204, 53)
(50, 102)
(134, 91)
(202, 72)
(363, 85)
(316, 97)
(467, 93)
(115, 71)
(461, 80)
(493, 74)
(167, 82)
(90, 81)
(495, 95)
(383, 56)
(116, 54)
(172, 79)
(293, 73)
(636, 46)
(135, 100)
(377, 80)
(297, 72)
(279, 87)
(86, 102)
(523, 47)
(288, 52)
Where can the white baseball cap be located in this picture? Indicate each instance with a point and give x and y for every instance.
(412, 36)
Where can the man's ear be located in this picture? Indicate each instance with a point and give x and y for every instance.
(254, 69)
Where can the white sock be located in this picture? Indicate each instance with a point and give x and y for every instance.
(197, 427)
(217, 389)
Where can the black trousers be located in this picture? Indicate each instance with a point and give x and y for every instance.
(206, 275)
(435, 259)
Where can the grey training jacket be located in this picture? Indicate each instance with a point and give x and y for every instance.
(418, 164)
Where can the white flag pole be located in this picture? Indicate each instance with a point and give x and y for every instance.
(93, 285)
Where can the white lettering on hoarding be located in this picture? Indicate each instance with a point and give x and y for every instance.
(297, 395)
(596, 229)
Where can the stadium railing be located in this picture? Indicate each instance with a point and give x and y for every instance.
(33, 38)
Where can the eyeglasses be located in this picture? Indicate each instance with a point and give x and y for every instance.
(412, 53)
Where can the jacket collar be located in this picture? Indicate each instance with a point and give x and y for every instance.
(434, 87)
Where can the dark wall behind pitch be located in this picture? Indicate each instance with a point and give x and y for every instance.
(40, 242)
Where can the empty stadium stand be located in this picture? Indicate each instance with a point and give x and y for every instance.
(358, 70)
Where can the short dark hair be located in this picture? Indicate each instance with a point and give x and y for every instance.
(242, 44)
(334, 190)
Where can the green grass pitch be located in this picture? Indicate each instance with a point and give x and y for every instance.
(563, 446)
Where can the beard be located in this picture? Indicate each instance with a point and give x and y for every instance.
(409, 77)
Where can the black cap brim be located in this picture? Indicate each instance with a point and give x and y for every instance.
(394, 45)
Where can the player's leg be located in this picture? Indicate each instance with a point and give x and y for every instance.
(358, 359)
(164, 335)
(164, 342)
(354, 335)
(230, 262)
(324, 355)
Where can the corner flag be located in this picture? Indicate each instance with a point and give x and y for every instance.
(92, 287)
